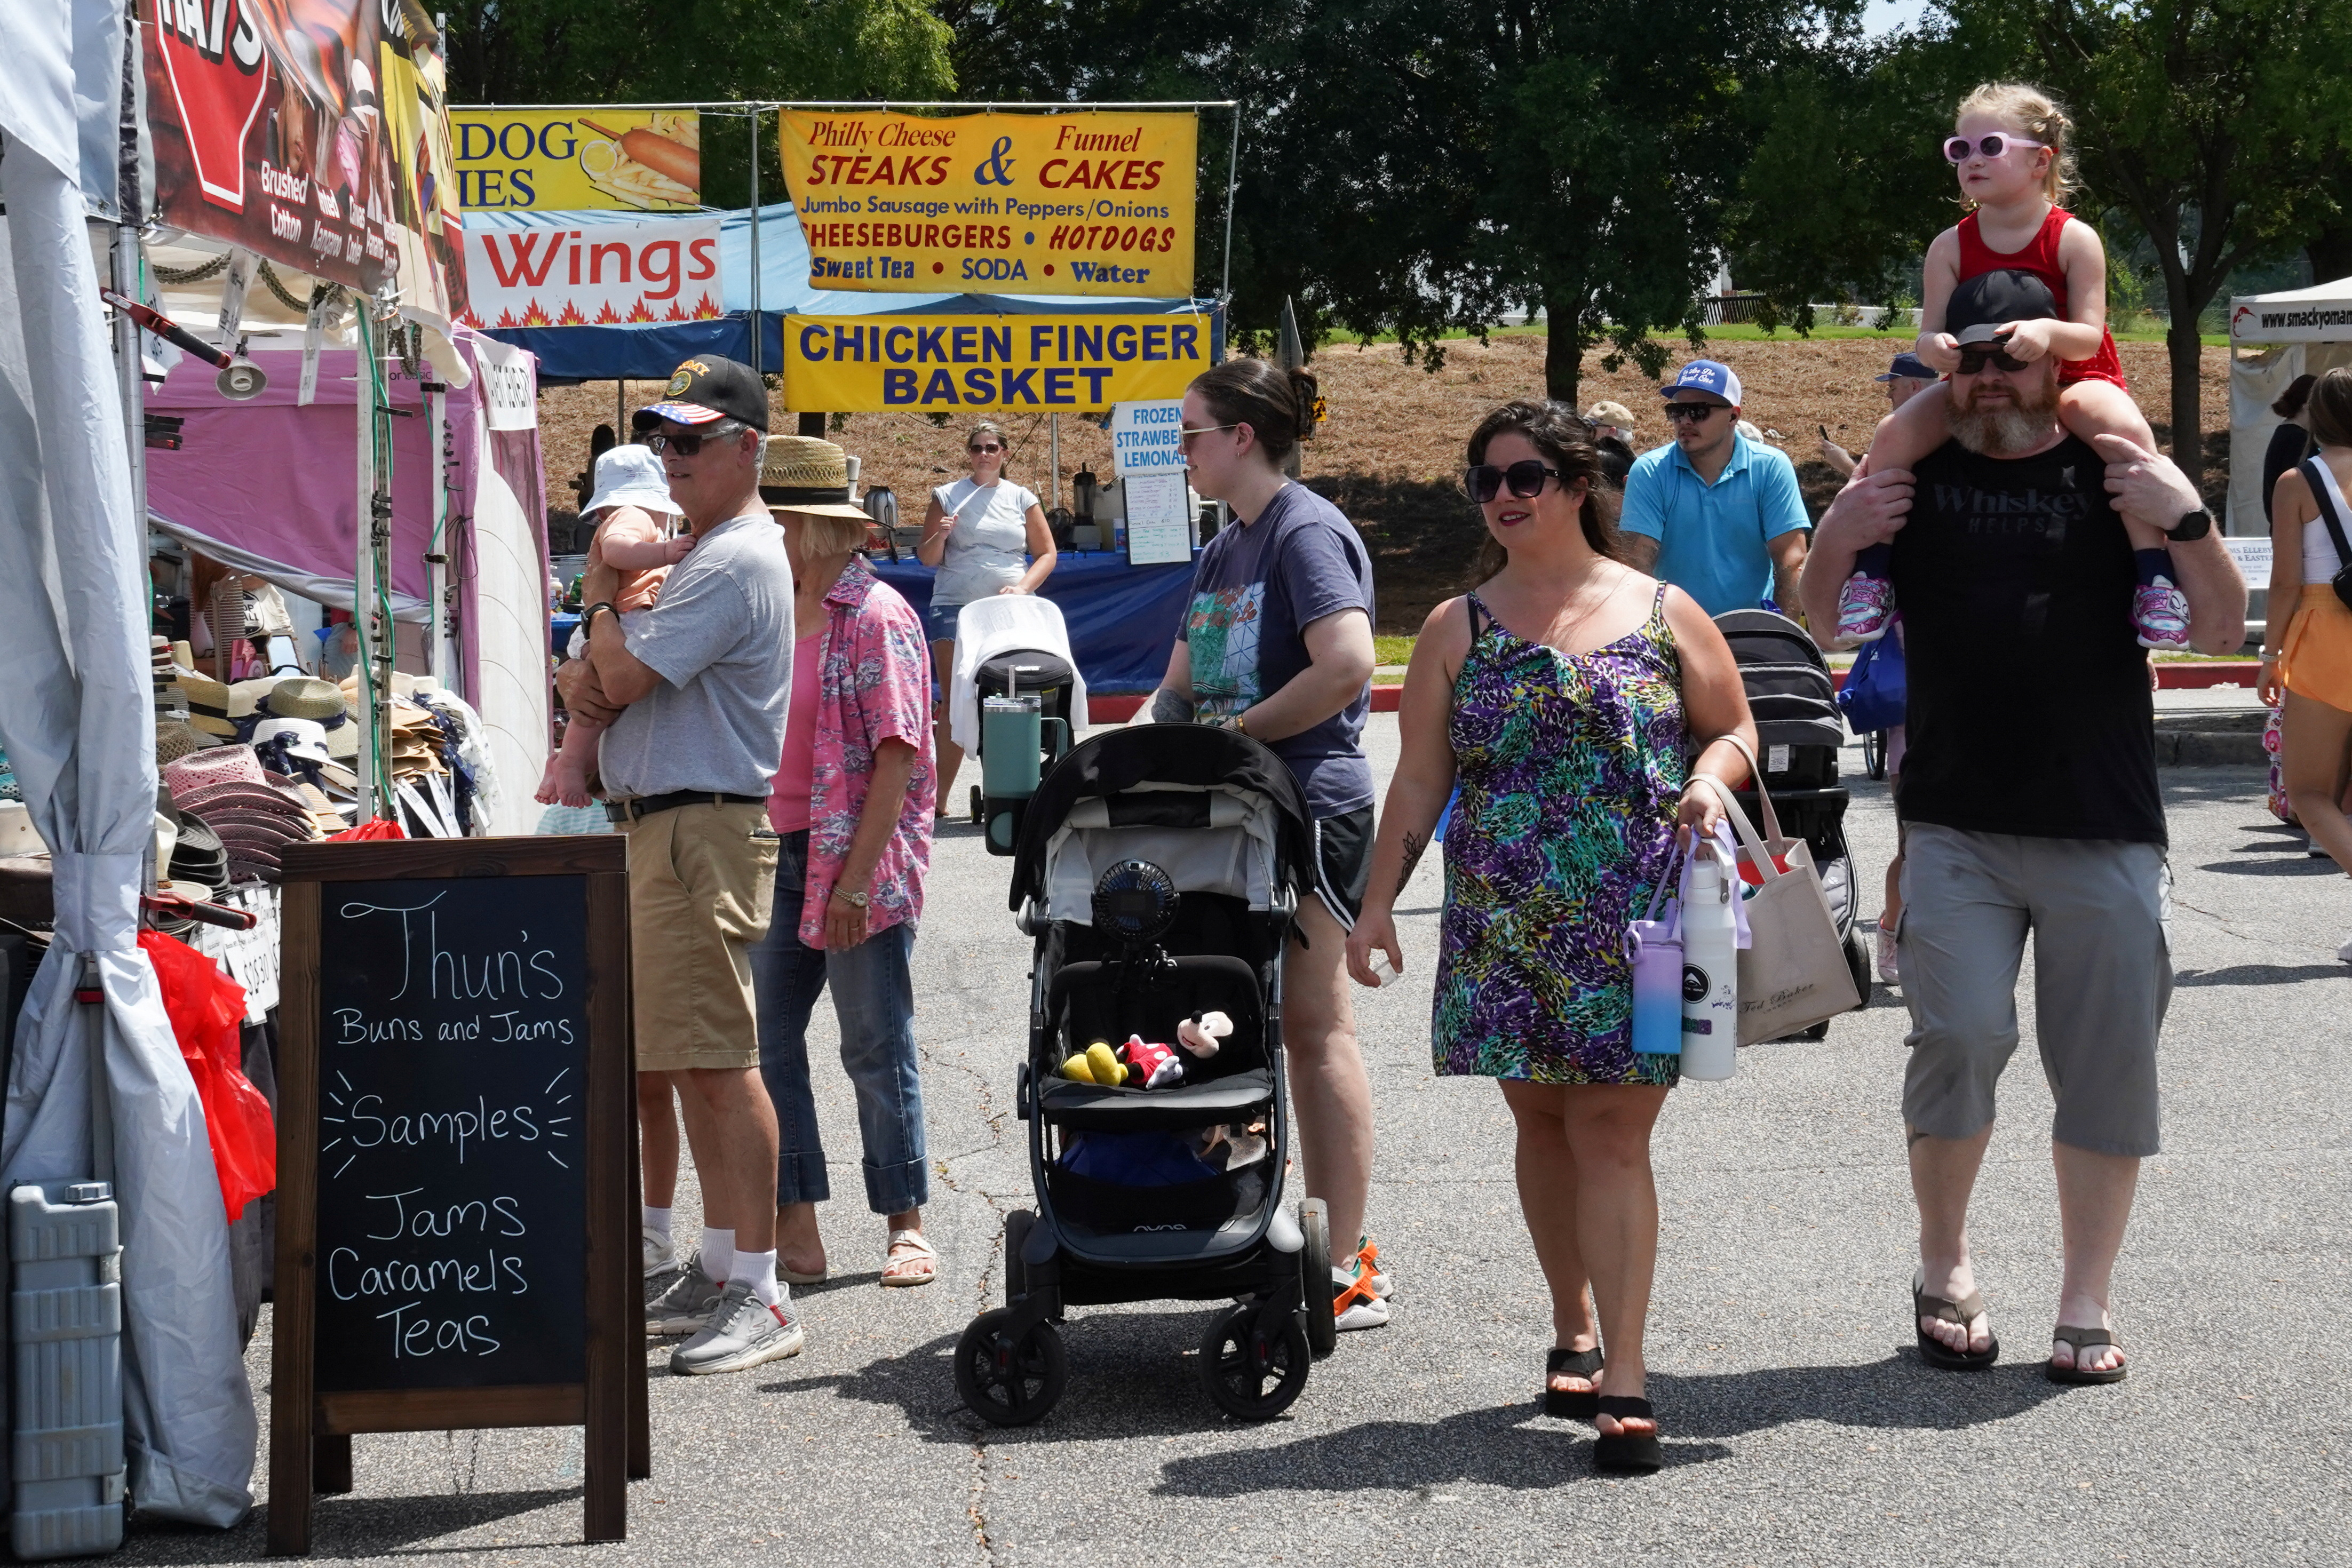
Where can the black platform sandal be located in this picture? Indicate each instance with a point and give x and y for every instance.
(1634, 1453)
(1575, 1404)
(1935, 1352)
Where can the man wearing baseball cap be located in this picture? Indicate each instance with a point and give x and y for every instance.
(1712, 512)
(694, 690)
(1907, 376)
(2029, 805)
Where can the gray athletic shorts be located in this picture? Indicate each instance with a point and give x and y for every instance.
(2100, 912)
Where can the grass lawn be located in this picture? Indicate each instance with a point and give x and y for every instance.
(1392, 650)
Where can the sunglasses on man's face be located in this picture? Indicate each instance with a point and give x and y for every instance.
(983, 448)
(1525, 479)
(1976, 357)
(685, 443)
(1956, 151)
(1696, 412)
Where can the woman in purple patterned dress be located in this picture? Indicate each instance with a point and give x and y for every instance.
(1563, 695)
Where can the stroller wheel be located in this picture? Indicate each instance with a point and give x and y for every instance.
(1874, 753)
(1010, 1383)
(979, 813)
(1018, 1225)
(1252, 1375)
(1857, 964)
(1315, 1274)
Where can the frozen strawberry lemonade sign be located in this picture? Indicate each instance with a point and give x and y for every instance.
(601, 274)
(1088, 202)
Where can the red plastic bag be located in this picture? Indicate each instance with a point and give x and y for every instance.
(373, 827)
(207, 1012)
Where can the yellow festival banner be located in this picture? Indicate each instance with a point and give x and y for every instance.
(1089, 203)
(562, 160)
(857, 364)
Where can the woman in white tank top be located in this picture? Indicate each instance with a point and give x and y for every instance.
(2307, 642)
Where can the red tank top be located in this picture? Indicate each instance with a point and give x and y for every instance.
(2040, 257)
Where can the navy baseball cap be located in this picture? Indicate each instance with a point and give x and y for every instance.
(1910, 367)
(1981, 306)
(1706, 376)
(709, 388)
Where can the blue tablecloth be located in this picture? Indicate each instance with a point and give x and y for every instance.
(1122, 619)
(560, 627)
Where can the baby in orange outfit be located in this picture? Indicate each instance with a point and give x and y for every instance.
(634, 515)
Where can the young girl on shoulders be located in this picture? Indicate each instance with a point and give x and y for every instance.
(2015, 167)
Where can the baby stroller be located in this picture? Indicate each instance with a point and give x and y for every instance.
(1159, 871)
(1798, 733)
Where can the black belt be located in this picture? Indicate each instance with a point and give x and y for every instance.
(647, 805)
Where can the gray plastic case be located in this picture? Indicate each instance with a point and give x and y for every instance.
(65, 1319)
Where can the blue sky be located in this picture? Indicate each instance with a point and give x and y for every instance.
(1886, 15)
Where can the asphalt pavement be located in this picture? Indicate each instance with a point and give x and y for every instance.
(1801, 1425)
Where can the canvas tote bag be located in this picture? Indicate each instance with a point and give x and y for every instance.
(1792, 973)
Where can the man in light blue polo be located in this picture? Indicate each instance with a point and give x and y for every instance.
(1712, 512)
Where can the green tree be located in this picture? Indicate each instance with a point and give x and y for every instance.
(2211, 122)
(1415, 167)
(706, 51)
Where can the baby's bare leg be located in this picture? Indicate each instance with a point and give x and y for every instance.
(2102, 408)
(1910, 433)
(566, 778)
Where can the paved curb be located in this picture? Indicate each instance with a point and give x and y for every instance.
(2211, 739)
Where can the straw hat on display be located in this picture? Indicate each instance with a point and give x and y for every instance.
(803, 474)
(176, 739)
(209, 768)
(306, 696)
(208, 702)
(631, 477)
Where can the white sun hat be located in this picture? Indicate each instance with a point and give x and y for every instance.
(631, 477)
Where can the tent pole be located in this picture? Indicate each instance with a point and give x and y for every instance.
(436, 554)
(127, 365)
(363, 582)
(1053, 454)
(755, 239)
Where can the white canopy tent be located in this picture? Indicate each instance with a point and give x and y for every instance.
(76, 717)
(2275, 337)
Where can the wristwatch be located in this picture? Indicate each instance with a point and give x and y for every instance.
(588, 618)
(855, 900)
(2193, 525)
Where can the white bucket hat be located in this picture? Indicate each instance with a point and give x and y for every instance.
(631, 477)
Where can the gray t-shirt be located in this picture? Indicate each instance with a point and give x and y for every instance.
(720, 637)
(988, 551)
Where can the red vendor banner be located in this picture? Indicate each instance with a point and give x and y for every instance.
(312, 133)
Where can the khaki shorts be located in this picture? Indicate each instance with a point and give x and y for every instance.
(701, 880)
(2098, 912)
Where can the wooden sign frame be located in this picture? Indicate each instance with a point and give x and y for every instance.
(310, 1429)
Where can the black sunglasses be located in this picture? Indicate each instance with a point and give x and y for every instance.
(1696, 412)
(978, 448)
(687, 444)
(1974, 358)
(1526, 480)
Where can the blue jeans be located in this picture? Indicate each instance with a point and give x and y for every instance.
(874, 999)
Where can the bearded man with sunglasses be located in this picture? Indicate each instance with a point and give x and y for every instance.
(1712, 512)
(2028, 803)
(694, 690)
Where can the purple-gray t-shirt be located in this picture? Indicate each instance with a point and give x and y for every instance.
(1255, 586)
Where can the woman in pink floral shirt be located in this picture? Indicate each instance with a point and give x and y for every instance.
(852, 804)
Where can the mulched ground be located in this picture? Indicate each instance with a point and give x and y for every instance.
(1389, 453)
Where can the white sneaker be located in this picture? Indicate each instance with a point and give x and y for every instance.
(660, 1251)
(2345, 952)
(743, 1333)
(687, 1305)
(1889, 973)
(1363, 1311)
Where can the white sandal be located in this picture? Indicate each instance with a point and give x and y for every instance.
(924, 1251)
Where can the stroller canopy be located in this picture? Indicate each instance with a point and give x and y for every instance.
(1089, 805)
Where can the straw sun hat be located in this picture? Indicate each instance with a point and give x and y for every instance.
(806, 474)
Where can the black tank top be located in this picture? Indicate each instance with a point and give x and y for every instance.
(2029, 705)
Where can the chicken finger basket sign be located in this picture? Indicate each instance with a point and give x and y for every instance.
(1094, 202)
(455, 1243)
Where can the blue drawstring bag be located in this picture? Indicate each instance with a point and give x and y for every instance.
(1874, 691)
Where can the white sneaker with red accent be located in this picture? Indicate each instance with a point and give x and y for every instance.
(743, 1333)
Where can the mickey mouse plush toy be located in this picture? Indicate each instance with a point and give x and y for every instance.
(1148, 1064)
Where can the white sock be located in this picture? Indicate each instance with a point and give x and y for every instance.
(654, 1218)
(718, 1253)
(758, 1269)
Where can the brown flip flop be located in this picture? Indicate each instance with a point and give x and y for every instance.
(2083, 1340)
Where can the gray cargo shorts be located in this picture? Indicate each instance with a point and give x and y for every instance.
(2100, 912)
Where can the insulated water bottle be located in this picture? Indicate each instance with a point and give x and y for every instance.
(1654, 949)
(1710, 1018)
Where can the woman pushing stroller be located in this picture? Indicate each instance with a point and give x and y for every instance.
(1564, 694)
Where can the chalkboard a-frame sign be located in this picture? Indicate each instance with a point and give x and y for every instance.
(456, 1151)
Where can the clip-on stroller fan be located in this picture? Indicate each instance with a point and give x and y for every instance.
(1135, 903)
